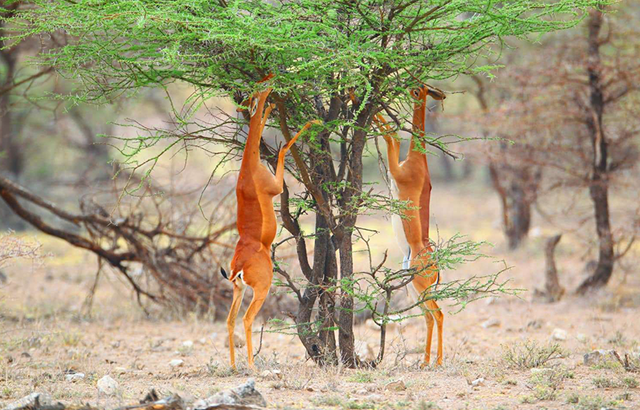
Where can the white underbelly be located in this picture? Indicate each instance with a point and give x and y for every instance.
(401, 238)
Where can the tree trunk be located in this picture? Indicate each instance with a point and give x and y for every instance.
(353, 187)
(553, 291)
(598, 189)
(11, 157)
(517, 189)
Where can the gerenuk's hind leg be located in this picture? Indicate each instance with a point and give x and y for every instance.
(257, 274)
(259, 296)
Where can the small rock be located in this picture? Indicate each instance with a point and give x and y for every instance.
(309, 388)
(107, 385)
(176, 363)
(115, 344)
(582, 338)
(477, 382)
(490, 300)
(245, 395)
(34, 400)
(375, 398)
(202, 341)
(237, 341)
(270, 373)
(362, 391)
(397, 385)
(26, 355)
(187, 344)
(491, 322)
(74, 377)
(559, 334)
(596, 356)
(120, 370)
(534, 324)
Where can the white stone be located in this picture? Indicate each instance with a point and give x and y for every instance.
(243, 395)
(491, 322)
(478, 382)
(74, 377)
(176, 363)
(559, 334)
(188, 344)
(582, 338)
(107, 385)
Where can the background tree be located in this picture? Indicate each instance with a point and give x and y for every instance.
(574, 114)
(515, 182)
(319, 51)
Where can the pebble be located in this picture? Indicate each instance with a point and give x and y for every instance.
(491, 322)
(478, 382)
(397, 385)
(274, 373)
(243, 395)
(535, 324)
(582, 338)
(73, 377)
(120, 370)
(176, 363)
(559, 334)
(187, 344)
(596, 356)
(107, 385)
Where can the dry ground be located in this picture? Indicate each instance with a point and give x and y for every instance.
(44, 335)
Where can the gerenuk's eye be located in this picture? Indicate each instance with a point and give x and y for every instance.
(254, 107)
(415, 93)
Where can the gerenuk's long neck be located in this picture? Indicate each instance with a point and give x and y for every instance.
(256, 110)
(419, 114)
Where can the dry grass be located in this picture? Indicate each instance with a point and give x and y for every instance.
(529, 354)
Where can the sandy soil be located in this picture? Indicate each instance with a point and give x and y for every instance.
(45, 335)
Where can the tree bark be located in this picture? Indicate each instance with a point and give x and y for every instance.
(517, 188)
(599, 188)
(353, 187)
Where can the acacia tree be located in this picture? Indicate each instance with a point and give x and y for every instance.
(321, 51)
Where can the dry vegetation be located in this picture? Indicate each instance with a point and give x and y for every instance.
(514, 363)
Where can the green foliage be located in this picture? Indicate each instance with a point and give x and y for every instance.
(120, 46)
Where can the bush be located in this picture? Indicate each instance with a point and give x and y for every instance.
(529, 354)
